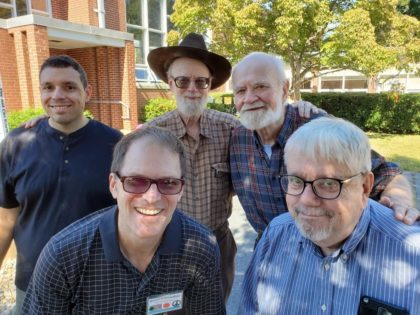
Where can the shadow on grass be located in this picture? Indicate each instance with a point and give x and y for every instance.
(410, 164)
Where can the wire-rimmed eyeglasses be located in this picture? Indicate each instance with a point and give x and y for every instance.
(140, 184)
(184, 82)
(324, 188)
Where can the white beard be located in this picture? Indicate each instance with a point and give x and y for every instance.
(311, 232)
(190, 108)
(259, 119)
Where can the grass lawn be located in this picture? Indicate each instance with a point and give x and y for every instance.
(402, 149)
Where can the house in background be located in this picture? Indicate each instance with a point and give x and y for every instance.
(94, 32)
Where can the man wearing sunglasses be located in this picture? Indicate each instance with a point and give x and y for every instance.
(191, 71)
(336, 251)
(140, 257)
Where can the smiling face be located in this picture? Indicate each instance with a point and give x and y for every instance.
(190, 101)
(63, 98)
(327, 223)
(146, 215)
(258, 93)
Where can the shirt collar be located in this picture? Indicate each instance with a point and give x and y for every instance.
(205, 125)
(171, 241)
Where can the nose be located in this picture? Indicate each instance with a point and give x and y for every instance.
(58, 93)
(152, 194)
(250, 97)
(308, 196)
(192, 86)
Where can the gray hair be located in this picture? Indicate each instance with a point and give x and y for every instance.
(272, 61)
(334, 140)
(160, 136)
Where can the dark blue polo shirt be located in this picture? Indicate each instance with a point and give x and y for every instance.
(55, 179)
(82, 270)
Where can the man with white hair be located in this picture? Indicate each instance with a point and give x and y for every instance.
(260, 92)
(336, 251)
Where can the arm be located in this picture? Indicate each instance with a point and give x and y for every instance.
(8, 218)
(398, 195)
(48, 291)
(33, 122)
(306, 109)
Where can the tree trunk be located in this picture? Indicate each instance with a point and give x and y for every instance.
(373, 84)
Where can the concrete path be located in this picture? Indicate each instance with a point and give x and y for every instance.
(245, 237)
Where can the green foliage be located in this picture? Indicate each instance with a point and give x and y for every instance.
(385, 112)
(16, 118)
(156, 107)
(306, 33)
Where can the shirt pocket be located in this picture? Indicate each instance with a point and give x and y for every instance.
(221, 170)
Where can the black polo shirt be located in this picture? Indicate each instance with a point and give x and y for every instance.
(55, 179)
(82, 270)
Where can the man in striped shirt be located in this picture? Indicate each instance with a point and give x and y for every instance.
(336, 250)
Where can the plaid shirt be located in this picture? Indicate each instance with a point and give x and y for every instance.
(81, 270)
(208, 188)
(254, 174)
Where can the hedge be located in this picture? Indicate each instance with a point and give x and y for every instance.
(385, 112)
(15, 118)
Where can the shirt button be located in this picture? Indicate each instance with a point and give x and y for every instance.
(66, 161)
(327, 266)
(344, 257)
(67, 148)
(323, 307)
(61, 137)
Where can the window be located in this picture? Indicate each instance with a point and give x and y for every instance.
(146, 21)
(170, 10)
(12, 8)
(351, 84)
(331, 83)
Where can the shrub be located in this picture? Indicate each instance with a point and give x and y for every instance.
(158, 106)
(15, 118)
(373, 112)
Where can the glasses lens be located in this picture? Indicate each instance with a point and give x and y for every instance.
(327, 188)
(292, 185)
(169, 186)
(182, 82)
(136, 185)
(202, 83)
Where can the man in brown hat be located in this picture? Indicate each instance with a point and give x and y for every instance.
(191, 71)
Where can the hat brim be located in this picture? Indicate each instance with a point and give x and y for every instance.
(161, 58)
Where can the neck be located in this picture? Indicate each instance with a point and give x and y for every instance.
(192, 124)
(69, 128)
(268, 135)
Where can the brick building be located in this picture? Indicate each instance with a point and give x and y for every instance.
(94, 32)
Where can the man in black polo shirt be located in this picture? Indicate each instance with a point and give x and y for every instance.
(140, 257)
(54, 173)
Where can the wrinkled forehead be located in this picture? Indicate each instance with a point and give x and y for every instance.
(253, 71)
(188, 67)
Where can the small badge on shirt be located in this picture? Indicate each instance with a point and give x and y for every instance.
(158, 304)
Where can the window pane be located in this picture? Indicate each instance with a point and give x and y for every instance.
(21, 8)
(356, 84)
(154, 14)
(138, 44)
(40, 5)
(6, 1)
(5, 13)
(170, 10)
(331, 83)
(155, 40)
(133, 11)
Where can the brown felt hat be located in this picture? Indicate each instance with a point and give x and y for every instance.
(192, 46)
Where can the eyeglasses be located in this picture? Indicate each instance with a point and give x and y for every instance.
(184, 82)
(324, 188)
(140, 184)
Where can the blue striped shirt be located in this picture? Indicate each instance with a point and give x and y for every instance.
(289, 275)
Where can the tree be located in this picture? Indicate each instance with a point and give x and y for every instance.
(305, 33)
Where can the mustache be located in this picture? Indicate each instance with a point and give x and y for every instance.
(248, 106)
(315, 212)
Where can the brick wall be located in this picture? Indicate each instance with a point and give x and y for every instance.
(115, 15)
(60, 9)
(82, 12)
